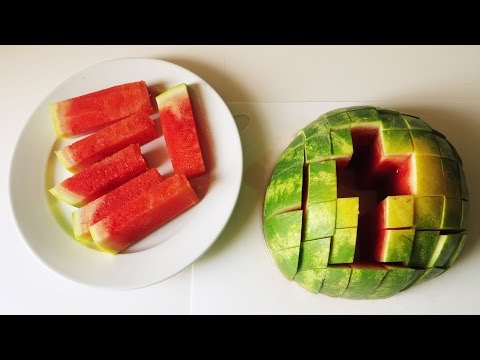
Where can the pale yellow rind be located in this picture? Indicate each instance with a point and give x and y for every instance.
(171, 93)
(413, 174)
(99, 234)
(81, 232)
(169, 98)
(64, 156)
(56, 122)
(70, 198)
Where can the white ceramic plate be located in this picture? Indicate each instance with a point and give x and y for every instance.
(44, 222)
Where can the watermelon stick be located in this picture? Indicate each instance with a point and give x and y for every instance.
(178, 125)
(144, 214)
(135, 129)
(91, 112)
(100, 208)
(102, 177)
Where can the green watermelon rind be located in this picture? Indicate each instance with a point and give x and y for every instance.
(391, 123)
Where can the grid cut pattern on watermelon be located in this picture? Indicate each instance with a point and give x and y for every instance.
(405, 160)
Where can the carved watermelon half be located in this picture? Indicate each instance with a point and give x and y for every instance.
(366, 202)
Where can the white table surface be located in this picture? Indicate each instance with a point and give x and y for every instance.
(276, 90)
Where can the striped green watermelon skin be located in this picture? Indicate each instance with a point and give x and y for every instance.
(414, 237)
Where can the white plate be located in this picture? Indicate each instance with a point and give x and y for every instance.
(44, 222)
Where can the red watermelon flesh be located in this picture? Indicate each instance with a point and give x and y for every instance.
(385, 230)
(342, 162)
(373, 166)
(100, 208)
(370, 229)
(363, 135)
(101, 177)
(381, 164)
(402, 181)
(91, 112)
(135, 129)
(376, 165)
(144, 214)
(178, 125)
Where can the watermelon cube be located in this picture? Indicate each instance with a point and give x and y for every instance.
(396, 279)
(457, 251)
(314, 254)
(320, 220)
(424, 143)
(343, 246)
(424, 244)
(293, 155)
(318, 147)
(285, 191)
(311, 280)
(428, 212)
(446, 247)
(394, 212)
(338, 121)
(336, 280)
(415, 123)
(420, 175)
(451, 178)
(452, 214)
(287, 261)
(446, 150)
(394, 245)
(424, 276)
(365, 279)
(322, 182)
(342, 147)
(347, 212)
(392, 120)
(283, 231)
